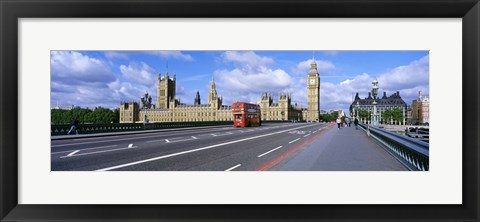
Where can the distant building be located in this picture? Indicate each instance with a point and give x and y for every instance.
(64, 107)
(129, 112)
(394, 101)
(313, 93)
(421, 109)
(169, 109)
(409, 115)
(283, 110)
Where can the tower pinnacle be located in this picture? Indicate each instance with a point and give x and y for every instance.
(212, 84)
(313, 64)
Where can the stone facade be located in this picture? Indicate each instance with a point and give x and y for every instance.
(313, 93)
(283, 110)
(421, 109)
(129, 112)
(385, 103)
(169, 109)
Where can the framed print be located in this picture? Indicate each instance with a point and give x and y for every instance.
(161, 110)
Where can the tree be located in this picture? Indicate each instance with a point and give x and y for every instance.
(397, 115)
(334, 115)
(392, 115)
(387, 116)
(84, 115)
(364, 115)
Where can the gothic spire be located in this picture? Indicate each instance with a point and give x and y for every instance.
(166, 72)
(212, 84)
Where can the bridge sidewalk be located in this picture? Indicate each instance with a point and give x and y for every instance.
(344, 149)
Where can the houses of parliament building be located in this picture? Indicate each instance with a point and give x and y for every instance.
(169, 109)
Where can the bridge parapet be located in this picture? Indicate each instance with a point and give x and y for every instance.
(123, 127)
(413, 153)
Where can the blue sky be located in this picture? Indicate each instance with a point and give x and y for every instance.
(104, 78)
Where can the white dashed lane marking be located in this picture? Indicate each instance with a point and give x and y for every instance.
(231, 168)
(72, 153)
(293, 141)
(269, 151)
(93, 148)
(103, 151)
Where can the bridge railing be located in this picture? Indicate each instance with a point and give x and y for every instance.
(413, 153)
(122, 127)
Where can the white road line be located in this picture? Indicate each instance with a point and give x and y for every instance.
(103, 151)
(132, 138)
(92, 138)
(306, 135)
(269, 151)
(224, 134)
(294, 140)
(195, 150)
(174, 140)
(231, 168)
(130, 145)
(93, 148)
(71, 154)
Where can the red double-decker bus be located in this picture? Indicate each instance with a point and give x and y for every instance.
(246, 114)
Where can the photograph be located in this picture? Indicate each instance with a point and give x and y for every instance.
(318, 110)
(246, 110)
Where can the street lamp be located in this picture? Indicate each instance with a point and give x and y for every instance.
(357, 110)
(375, 92)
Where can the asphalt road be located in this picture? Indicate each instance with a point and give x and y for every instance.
(211, 149)
(345, 149)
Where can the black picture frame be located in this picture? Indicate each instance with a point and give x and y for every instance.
(11, 11)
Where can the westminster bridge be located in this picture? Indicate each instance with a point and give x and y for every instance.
(274, 146)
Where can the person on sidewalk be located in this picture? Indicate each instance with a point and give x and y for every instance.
(356, 123)
(74, 126)
(339, 121)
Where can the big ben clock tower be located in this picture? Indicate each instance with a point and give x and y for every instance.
(313, 92)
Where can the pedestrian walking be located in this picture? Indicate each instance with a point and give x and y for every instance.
(74, 126)
(355, 122)
(339, 121)
(347, 121)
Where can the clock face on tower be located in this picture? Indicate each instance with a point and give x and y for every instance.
(312, 81)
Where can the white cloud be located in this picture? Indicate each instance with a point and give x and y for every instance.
(81, 80)
(250, 77)
(74, 67)
(408, 80)
(84, 96)
(411, 75)
(139, 72)
(322, 66)
(126, 91)
(169, 54)
(78, 79)
(247, 59)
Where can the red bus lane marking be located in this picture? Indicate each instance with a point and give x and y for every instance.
(289, 152)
